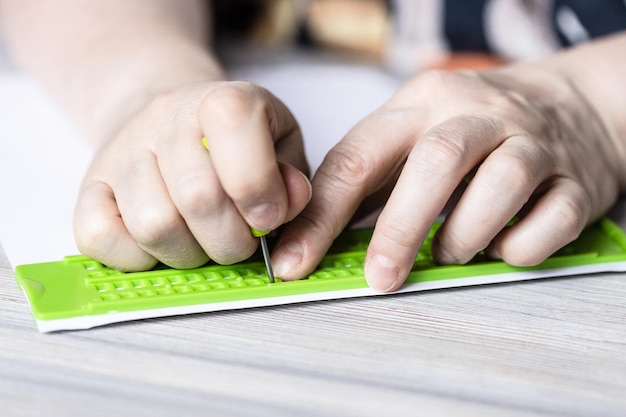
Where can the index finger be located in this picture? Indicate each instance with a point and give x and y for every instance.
(363, 162)
(434, 169)
(356, 167)
(241, 123)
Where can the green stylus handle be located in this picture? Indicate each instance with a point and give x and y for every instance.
(257, 233)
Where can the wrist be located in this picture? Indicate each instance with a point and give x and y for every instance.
(569, 88)
(595, 70)
(128, 85)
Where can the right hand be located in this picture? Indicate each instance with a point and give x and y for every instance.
(154, 193)
(533, 144)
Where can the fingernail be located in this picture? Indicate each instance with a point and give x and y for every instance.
(381, 273)
(288, 257)
(263, 217)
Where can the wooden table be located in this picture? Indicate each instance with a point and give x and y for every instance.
(549, 347)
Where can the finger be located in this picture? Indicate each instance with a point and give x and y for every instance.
(298, 188)
(196, 192)
(241, 123)
(289, 146)
(557, 218)
(151, 217)
(101, 234)
(501, 187)
(435, 167)
(356, 167)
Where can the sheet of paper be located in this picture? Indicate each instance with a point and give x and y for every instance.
(43, 160)
(44, 157)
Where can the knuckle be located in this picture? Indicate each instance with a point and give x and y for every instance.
(228, 255)
(516, 257)
(227, 103)
(503, 101)
(165, 105)
(154, 226)
(347, 165)
(523, 254)
(311, 220)
(569, 215)
(249, 189)
(516, 168)
(572, 213)
(439, 149)
(424, 86)
(164, 101)
(196, 198)
(461, 247)
(395, 231)
(435, 82)
(93, 235)
(433, 78)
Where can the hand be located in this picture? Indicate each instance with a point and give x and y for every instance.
(530, 142)
(154, 193)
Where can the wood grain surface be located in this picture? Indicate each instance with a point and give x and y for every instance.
(553, 347)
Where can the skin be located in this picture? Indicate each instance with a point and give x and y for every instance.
(544, 141)
(144, 86)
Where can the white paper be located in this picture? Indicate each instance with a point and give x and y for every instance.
(43, 160)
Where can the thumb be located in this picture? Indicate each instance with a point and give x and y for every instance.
(298, 188)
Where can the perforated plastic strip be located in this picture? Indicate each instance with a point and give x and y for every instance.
(79, 292)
